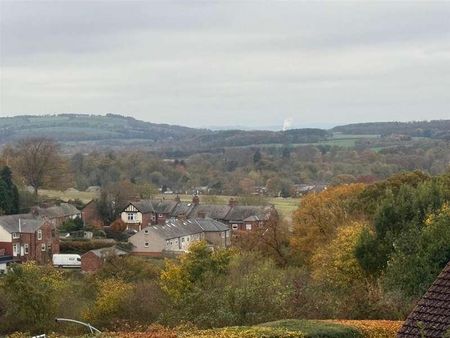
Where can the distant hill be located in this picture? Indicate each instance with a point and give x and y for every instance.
(116, 131)
(433, 129)
(83, 127)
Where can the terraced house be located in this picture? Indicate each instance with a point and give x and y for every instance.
(138, 215)
(26, 237)
(175, 236)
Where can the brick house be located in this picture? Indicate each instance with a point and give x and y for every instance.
(175, 236)
(91, 216)
(138, 215)
(58, 213)
(93, 260)
(27, 238)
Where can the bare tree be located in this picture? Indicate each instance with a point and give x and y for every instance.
(38, 161)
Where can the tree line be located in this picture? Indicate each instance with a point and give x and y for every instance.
(355, 251)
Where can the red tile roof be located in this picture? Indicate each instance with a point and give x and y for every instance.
(431, 316)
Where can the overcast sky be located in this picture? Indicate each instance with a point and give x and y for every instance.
(204, 63)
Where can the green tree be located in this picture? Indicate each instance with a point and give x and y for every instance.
(33, 294)
(179, 276)
(11, 191)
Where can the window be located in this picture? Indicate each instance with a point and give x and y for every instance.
(43, 247)
(146, 244)
(15, 249)
(182, 239)
(228, 233)
(131, 216)
(146, 232)
(39, 235)
(248, 226)
(15, 235)
(27, 248)
(234, 226)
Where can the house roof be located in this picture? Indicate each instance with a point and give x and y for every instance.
(164, 206)
(174, 208)
(62, 210)
(241, 212)
(182, 208)
(102, 252)
(144, 206)
(28, 223)
(431, 316)
(174, 228)
(211, 211)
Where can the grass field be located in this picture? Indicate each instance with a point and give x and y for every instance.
(69, 194)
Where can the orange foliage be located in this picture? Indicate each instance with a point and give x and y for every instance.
(316, 220)
(118, 225)
(373, 328)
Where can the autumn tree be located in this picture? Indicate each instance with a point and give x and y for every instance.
(109, 302)
(270, 240)
(178, 277)
(39, 163)
(319, 216)
(336, 263)
(33, 295)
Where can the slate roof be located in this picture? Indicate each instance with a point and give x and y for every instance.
(165, 206)
(144, 206)
(210, 210)
(222, 212)
(174, 228)
(28, 223)
(62, 210)
(241, 212)
(182, 208)
(432, 312)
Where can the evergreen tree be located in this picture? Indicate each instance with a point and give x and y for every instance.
(12, 191)
(9, 195)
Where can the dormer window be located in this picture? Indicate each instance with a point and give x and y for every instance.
(15, 235)
(39, 235)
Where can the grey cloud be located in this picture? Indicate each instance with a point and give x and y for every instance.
(198, 63)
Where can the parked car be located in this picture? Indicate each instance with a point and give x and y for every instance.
(67, 260)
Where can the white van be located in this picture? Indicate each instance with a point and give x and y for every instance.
(67, 260)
